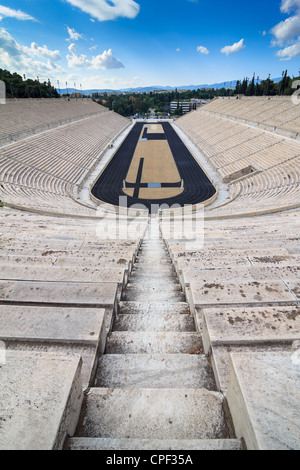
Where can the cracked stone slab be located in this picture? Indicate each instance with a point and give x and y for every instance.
(294, 286)
(5, 289)
(263, 397)
(276, 260)
(210, 261)
(273, 272)
(63, 325)
(210, 275)
(223, 293)
(59, 274)
(228, 250)
(38, 388)
(100, 294)
(253, 325)
(220, 358)
(88, 353)
(23, 260)
(70, 261)
(68, 252)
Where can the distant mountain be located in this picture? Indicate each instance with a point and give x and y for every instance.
(64, 91)
(216, 86)
(123, 90)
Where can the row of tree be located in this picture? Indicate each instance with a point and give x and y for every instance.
(141, 103)
(268, 87)
(20, 87)
(128, 104)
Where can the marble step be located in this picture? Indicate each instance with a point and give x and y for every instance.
(153, 414)
(154, 284)
(154, 371)
(155, 322)
(128, 342)
(156, 293)
(84, 443)
(151, 308)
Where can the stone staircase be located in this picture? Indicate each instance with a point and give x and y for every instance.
(154, 387)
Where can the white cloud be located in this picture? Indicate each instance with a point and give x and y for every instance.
(287, 33)
(106, 61)
(290, 52)
(286, 30)
(202, 50)
(42, 52)
(178, 49)
(8, 44)
(289, 5)
(104, 10)
(73, 35)
(34, 60)
(6, 12)
(76, 60)
(236, 47)
(102, 61)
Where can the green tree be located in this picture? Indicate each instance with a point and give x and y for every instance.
(251, 87)
(18, 87)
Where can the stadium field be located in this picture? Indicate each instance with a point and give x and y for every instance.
(153, 167)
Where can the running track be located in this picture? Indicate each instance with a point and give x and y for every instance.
(197, 186)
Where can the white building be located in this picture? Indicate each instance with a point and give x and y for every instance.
(184, 105)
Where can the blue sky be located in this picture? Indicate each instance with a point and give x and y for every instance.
(126, 43)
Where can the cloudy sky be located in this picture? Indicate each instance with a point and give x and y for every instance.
(130, 43)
